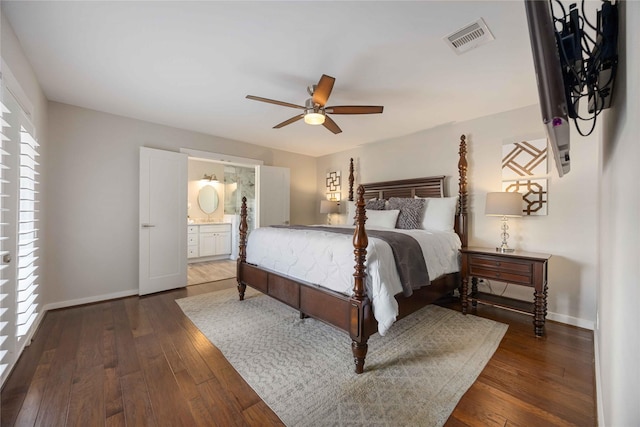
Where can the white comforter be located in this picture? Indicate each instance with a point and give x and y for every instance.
(327, 259)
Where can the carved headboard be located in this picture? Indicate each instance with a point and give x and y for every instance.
(422, 187)
(432, 186)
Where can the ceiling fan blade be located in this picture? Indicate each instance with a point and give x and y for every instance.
(288, 122)
(273, 101)
(323, 90)
(354, 109)
(331, 125)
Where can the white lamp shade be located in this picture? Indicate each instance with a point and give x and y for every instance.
(503, 204)
(329, 206)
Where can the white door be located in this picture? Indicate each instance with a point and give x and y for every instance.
(163, 220)
(273, 188)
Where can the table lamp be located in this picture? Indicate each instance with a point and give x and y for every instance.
(329, 207)
(504, 204)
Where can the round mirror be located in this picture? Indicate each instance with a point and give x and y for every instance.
(208, 199)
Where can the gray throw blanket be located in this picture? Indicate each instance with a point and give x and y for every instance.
(407, 253)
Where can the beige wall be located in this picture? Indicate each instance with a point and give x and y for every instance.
(617, 337)
(568, 232)
(93, 196)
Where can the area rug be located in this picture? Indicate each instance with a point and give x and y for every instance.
(303, 369)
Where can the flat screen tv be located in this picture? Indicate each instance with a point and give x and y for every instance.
(551, 90)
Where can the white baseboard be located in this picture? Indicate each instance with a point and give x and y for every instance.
(570, 320)
(89, 300)
(599, 403)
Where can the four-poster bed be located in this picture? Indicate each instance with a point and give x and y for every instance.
(354, 313)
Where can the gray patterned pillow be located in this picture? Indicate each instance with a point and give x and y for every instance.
(411, 212)
(375, 205)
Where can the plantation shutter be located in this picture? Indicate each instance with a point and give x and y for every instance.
(27, 252)
(5, 342)
(19, 169)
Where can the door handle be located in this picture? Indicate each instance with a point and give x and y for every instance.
(147, 225)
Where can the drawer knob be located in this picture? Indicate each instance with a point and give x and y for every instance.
(498, 264)
(497, 274)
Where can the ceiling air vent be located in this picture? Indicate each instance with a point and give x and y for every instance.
(470, 36)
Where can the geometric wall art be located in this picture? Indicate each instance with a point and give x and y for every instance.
(524, 159)
(333, 185)
(534, 194)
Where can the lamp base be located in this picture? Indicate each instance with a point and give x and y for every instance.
(505, 250)
(504, 247)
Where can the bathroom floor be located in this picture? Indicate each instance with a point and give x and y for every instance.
(210, 271)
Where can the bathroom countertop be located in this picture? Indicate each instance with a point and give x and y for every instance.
(208, 223)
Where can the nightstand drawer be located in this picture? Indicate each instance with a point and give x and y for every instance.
(500, 264)
(501, 275)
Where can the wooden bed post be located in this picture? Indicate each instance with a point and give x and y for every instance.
(462, 193)
(350, 181)
(462, 224)
(360, 304)
(242, 256)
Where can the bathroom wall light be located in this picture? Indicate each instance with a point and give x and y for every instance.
(210, 178)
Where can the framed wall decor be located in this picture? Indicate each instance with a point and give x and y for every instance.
(524, 170)
(534, 194)
(333, 184)
(524, 159)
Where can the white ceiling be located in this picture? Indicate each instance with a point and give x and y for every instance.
(191, 64)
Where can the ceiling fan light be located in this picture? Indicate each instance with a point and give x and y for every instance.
(314, 118)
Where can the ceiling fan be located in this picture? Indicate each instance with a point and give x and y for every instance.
(315, 109)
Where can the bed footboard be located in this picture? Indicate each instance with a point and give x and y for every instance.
(350, 314)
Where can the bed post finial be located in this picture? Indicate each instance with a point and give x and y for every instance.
(242, 256)
(462, 192)
(360, 306)
(351, 179)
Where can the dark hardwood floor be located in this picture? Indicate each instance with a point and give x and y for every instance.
(140, 361)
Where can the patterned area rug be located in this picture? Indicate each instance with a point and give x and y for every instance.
(303, 369)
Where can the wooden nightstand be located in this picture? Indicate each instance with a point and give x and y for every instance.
(519, 268)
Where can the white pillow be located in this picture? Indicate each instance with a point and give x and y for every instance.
(439, 213)
(385, 219)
